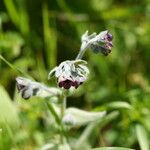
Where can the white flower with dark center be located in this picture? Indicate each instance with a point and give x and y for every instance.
(70, 73)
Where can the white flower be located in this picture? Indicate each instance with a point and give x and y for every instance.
(70, 73)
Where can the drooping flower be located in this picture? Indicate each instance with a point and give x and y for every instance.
(29, 88)
(70, 73)
(101, 42)
(23, 88)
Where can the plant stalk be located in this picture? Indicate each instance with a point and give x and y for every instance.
(80, 54)
(63, 105)
(63, 108)
(83, 48)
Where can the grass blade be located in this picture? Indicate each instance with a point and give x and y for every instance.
(50, 38)
(12, 11)
(14, 68)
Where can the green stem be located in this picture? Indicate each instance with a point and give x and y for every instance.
(63, 105)
(53, 111)
(63, 108)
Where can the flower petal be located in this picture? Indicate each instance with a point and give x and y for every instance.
(52, 73)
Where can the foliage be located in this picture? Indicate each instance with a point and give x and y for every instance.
(37, 35)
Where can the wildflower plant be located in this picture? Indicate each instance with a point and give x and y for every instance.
(69, 75)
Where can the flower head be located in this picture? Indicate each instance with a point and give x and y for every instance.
(23, 87)
(70, 73)
(29, 88)
(101, 42)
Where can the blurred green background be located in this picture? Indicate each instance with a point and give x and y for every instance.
(36, 35)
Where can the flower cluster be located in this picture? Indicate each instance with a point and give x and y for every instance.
(98, 43)
(70, 73)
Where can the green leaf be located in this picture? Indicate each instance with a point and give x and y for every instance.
(94, 125)
(120, 104)
(77, 117)
(64, 146)
(8, 111)
(142, 137)
(112, 148)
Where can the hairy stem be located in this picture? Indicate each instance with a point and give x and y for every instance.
(80, 54)
(63, 105)
(83, 48)
(63, 108)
